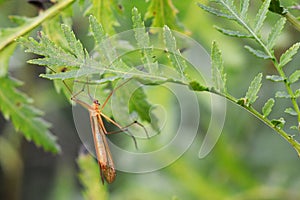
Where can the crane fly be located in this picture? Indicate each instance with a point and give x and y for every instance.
(105, 161)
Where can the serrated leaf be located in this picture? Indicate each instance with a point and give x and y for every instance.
(275, 78)
(218, 74)
(104, 47)
(286, 57)
(74, 45)
(244, 8)
(282, 94)
(103, 11)
(163, 13)
(143, 42)
(25, 118)
(254, 88)
(175, 57)
(291, 111)
(275, 32)
(266, 110)
(216, 12)
(90, 178)
(261, 16)
(258, 53)
(279, 123)
(233, 33)
(295, 76)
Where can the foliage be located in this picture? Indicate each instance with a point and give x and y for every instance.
(69, 59)
(228, 10)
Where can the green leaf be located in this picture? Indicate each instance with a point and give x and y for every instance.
(74, 45)
(275, 32)
(279, 123)
(16, 106)
(5, 55)
(291, 111)
(297, 93)
(244, 8)
(196, 86)
(261, 16)
(103, 11)
(257, 53)
(218, 74)
(275, 78)
(143, 42)
(233, 33)
(90, 178)
(294, 77)
(216, 12)
(254, 88)
(163, 13)
(286, 57)
(266, 110)
(282, 94)
(175, 57)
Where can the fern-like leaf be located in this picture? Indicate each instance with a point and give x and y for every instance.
(218, 74)
(286, 57)
(143, 42)
(177, 60)
(254, 88)
(102, 10)
(244, 8)
(16, 106)
(275, 32)
(261, 16)
(295, 76)
(257, 53)
(267, 108)
(233, 33)
(216, 12)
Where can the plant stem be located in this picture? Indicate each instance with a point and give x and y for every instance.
(254, 112)
(34, 22)
(293, 20)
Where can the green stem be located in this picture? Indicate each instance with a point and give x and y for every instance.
(254, 112)
(293, 20)
(36, 21)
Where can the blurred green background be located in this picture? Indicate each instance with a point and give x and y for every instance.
(250, 161)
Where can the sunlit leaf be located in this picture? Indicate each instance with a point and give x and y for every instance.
(275, 32)
(286, 57)
(295, 76)
(261, 16)
(254, 88)
(266, 110)
(244, 8)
